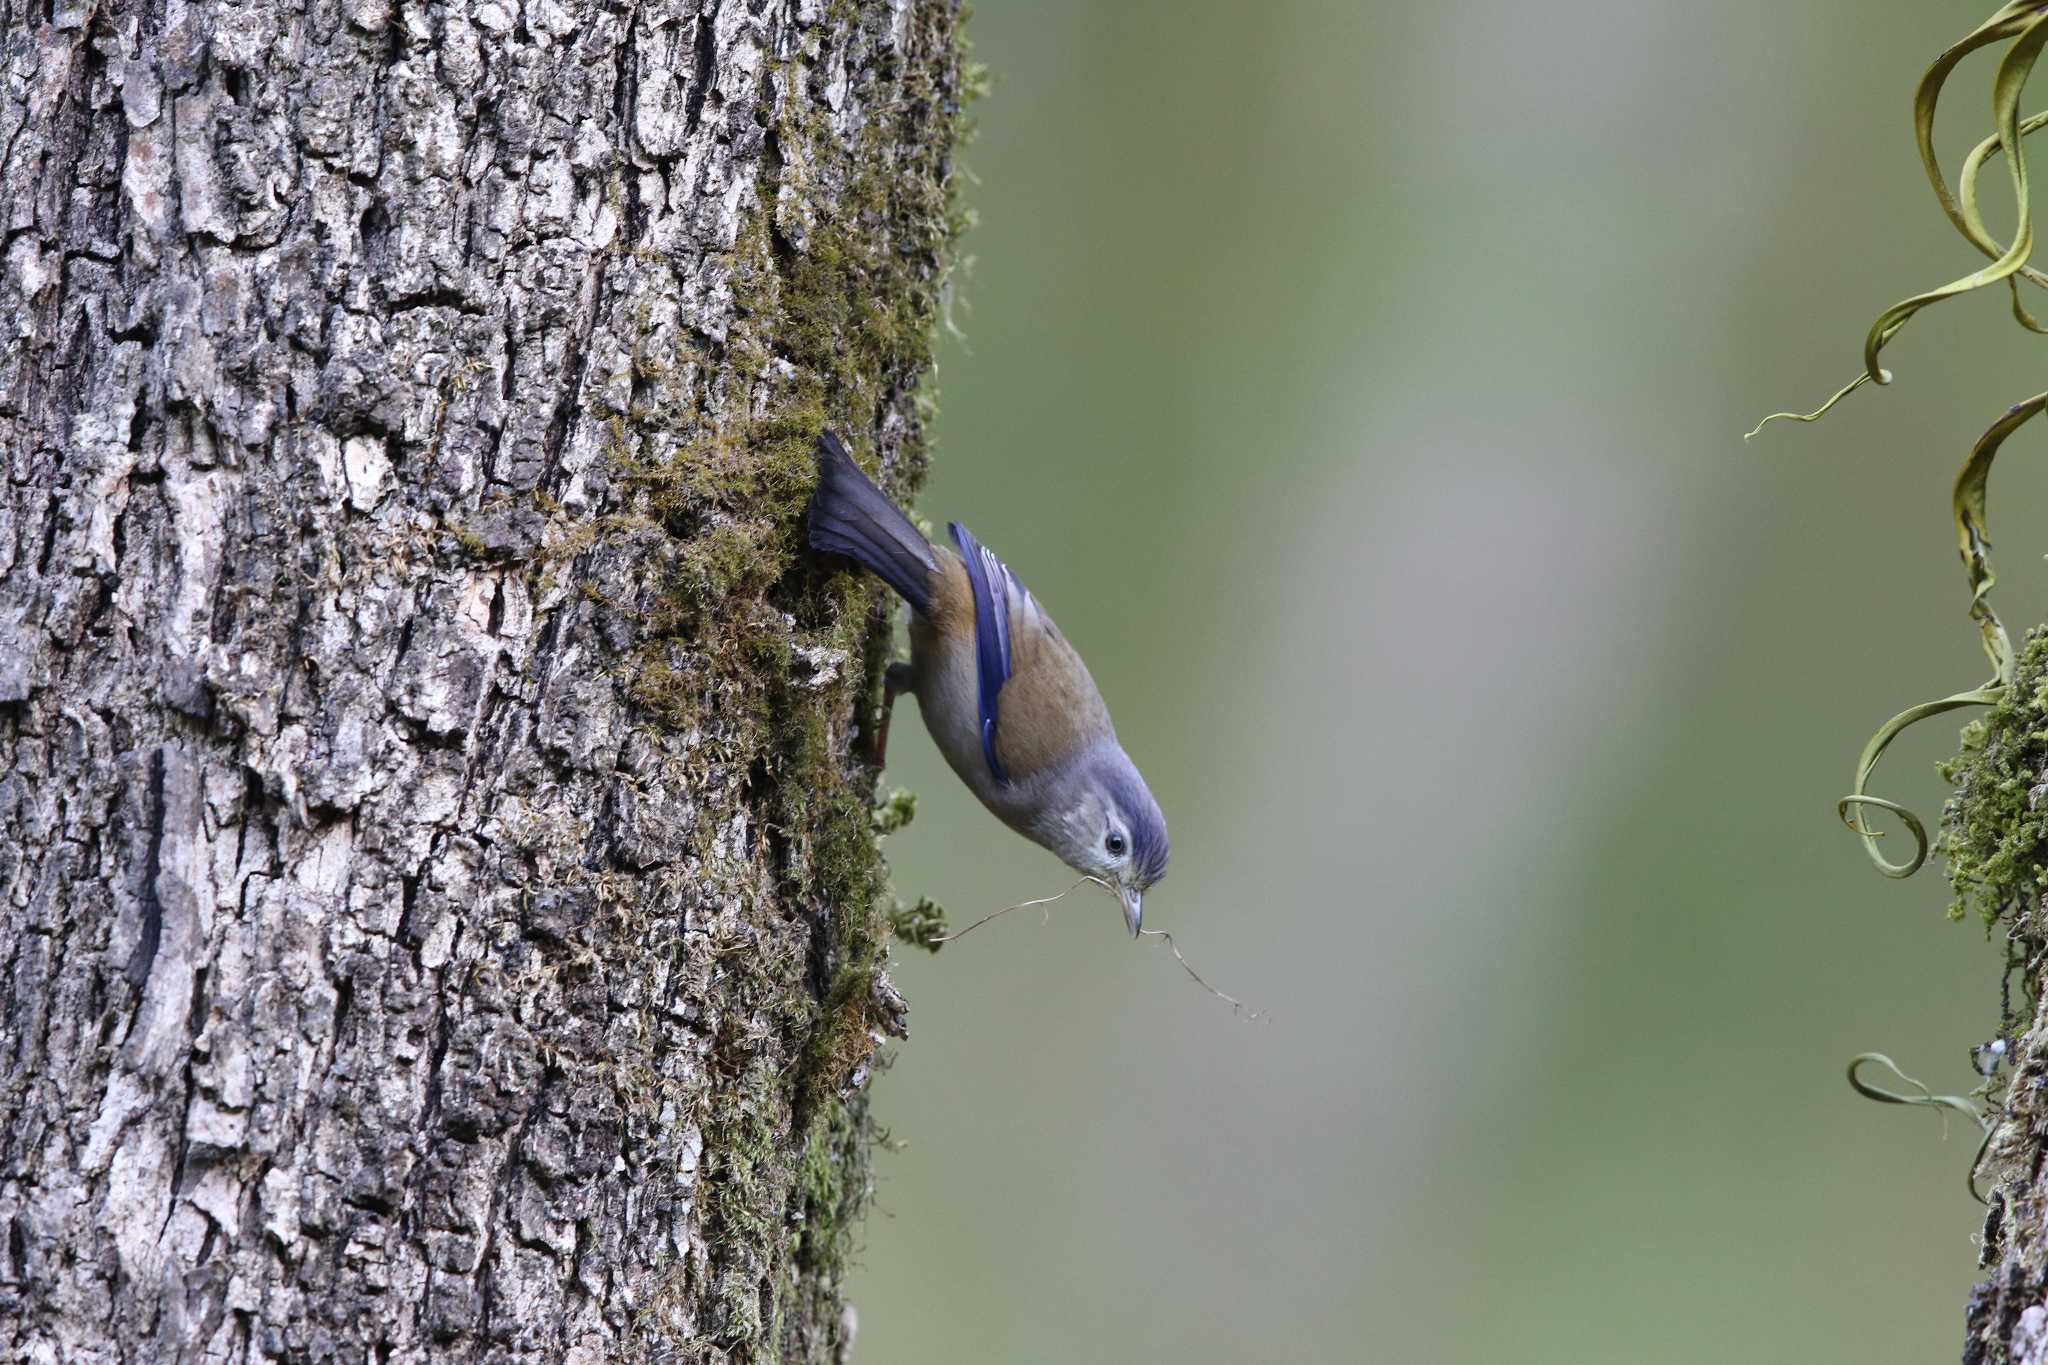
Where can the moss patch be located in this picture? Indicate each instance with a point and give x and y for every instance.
(1994, 829)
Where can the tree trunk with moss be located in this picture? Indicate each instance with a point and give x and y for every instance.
(1995, 842)
(440, 913)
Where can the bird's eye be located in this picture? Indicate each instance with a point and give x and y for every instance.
(1115, 844)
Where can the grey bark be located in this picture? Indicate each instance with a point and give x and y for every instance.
(439, 910)
(2007, 1318)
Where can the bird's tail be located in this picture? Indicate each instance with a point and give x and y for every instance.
(851, 517)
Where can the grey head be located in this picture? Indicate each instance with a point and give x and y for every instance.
(1098, 815)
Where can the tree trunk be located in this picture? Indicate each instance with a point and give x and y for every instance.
(440, 913)
(1995, 842)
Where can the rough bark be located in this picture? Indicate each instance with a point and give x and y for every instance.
(1995, 843)
(440, 915)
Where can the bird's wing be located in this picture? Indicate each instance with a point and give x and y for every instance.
(991, 582)
(1038, 705)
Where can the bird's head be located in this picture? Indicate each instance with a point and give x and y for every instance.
(1106, 825)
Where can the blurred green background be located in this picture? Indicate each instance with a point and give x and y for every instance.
(1362, 386)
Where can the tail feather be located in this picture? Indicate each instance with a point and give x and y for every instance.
(851, 517)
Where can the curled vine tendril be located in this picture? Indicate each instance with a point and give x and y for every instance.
(1973, 540)
(2023, 24)
(1823, 410)
(2027, 25)
(1965, 1105)
(1870, 836)
(1967, 217)
(1970, 1106)
(1860, 797)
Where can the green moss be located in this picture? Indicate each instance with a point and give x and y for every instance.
(838, 283)
(894, 812)
(921, 925)
(757, 658)
(721, 562)
(472, 544)
(1994, 829)
(832, 1184)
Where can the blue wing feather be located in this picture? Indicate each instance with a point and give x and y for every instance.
(991, 581)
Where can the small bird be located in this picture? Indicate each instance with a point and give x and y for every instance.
(1006, 698)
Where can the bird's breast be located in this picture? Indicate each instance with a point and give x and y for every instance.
(948, 698)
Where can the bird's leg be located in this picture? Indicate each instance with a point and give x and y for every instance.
(896, 680)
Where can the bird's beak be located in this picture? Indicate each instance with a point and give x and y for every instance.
(1134, 906)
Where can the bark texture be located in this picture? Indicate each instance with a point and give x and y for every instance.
(1995, 842)
(440, 913)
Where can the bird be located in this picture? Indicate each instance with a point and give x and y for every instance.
(1007, 700)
